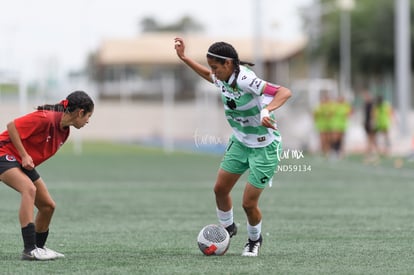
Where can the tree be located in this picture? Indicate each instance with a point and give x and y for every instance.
(149, 24)
(372, 36)
(185, 24)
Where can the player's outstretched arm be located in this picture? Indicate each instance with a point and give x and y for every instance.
(201, 70)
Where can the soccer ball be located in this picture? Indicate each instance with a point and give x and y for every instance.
(213, 240)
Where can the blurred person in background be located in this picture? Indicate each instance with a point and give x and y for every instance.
(29, 141)
(248, 102)
(322, 116)
(383, 115)
(369, 127)
(341, 110)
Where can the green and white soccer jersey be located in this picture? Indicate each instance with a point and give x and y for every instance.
(242, 106)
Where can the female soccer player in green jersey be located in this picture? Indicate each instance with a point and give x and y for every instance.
(255, 143)
(341, 112)
(322, 116)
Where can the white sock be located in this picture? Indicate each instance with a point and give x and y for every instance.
(225, 217)
(254, 231)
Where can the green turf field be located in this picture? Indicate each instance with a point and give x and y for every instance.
(128, 210)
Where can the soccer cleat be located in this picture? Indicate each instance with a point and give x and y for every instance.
(52, 252)
(232, 229)
(251, 249)
(37, 254)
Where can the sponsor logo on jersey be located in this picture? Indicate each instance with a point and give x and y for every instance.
(256, 82)
(233, 94)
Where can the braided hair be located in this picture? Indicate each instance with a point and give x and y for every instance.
(220, 51)
(75, 100)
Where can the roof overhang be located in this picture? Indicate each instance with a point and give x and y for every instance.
(158, 48)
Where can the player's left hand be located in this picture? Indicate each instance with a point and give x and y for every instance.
(266, 120)
(27, 162)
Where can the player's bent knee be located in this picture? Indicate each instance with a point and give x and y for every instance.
(220, 190)
(29, 191)
(249, 208)
(50, 207)
(47, 207)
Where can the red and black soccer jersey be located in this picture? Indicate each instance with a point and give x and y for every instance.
(40, 133)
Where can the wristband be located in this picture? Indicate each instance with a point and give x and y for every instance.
(264, 113)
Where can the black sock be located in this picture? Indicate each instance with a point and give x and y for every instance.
(29, 237)
(41, 238)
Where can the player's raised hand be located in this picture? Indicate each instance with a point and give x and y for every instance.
(179, 47)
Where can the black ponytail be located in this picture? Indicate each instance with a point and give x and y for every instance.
(75, 100)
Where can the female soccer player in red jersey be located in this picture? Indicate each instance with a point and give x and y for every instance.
(28, 141)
